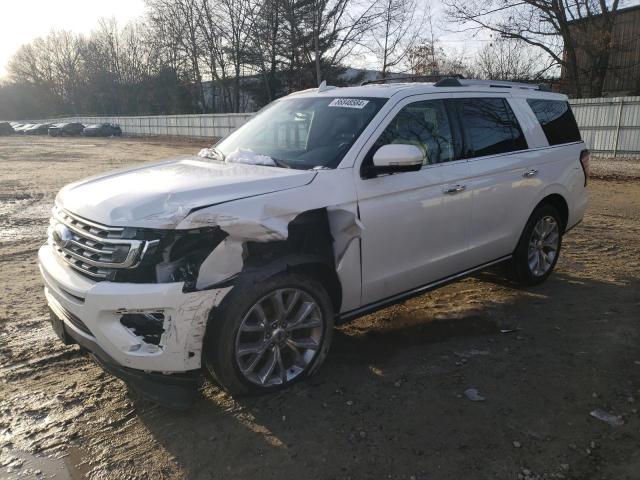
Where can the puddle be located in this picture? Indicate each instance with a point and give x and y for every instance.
(21, 465)
(24, 217)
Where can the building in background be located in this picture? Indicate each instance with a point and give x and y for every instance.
(623, 67)
(251, 86)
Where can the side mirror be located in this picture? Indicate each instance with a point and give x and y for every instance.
(397, 158)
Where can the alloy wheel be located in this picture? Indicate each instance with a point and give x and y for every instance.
(543, 245)
(279, 337)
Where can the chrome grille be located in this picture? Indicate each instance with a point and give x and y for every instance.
(91, 248)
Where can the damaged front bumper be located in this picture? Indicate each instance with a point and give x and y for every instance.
(177, 390)
(150, 335)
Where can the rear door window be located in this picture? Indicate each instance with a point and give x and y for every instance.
(557, 120)
(490, 126)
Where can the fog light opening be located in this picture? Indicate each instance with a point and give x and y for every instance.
(147, 326)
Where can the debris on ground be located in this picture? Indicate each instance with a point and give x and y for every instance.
(473, 395)
(473, 352)
(613, 420)
(510, 330)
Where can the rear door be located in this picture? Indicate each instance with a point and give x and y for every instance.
(504, 179)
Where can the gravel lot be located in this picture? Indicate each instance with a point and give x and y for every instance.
(388, 403)
(615, 168)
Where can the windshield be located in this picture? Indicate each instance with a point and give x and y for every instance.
(304, 133)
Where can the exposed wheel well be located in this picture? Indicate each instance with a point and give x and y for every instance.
(327, 276)
(308, 250)
(560, 204)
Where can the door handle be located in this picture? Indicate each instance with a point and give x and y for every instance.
(454, 189)
(530, 173)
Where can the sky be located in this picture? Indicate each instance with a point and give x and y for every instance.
(23, 20)
(19, 24)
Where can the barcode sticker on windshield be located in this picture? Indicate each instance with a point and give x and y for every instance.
(348, 103)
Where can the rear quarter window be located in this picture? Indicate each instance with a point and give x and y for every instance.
(557, 120)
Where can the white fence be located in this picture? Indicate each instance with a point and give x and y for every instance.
(609, 126)
(207, 125)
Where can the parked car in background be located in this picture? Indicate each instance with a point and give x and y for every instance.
(66, 129)
(327, 205)
(6, 128)
(102, 130)
(54, 126)
(21, 127)
(38, 129)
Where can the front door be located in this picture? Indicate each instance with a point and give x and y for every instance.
(415, 223)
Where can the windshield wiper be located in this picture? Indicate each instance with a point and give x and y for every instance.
(218, 153)
(280, 163)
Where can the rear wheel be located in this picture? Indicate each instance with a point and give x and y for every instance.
(538, 250)
(266, 337)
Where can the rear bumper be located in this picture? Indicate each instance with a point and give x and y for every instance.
(578, 204)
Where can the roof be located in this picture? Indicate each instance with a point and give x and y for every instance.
(619, 11)
(387, 90)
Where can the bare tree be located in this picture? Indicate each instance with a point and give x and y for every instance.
(239, 17)
(266, 46)
(429, 58)
(337, 28)
(399, 27)
(215, 49)
(53, 62)
(111, 71)
(563, 29)
(179, 21)
(508, 59)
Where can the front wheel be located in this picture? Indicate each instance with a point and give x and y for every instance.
(267, 336)
(538, 250)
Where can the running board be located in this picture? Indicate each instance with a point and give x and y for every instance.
(400, 297)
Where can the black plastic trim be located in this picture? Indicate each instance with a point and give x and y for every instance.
(401, 297)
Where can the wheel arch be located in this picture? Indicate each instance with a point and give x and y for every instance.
(559, 203)
(308, 265)
(327, 276)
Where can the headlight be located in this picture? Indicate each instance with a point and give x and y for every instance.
(181, 259)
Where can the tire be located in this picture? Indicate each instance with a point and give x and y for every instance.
(538, 250)
(238, 350)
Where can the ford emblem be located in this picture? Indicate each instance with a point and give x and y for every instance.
(62, 235)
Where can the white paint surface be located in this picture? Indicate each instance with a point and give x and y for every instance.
(391, 234)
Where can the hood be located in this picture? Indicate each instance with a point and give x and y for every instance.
(160, 195)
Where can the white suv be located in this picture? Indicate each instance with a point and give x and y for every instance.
(329, 204)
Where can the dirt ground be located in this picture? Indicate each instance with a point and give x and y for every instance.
(388, 404)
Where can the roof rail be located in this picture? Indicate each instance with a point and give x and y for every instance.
(455, 82)
(413, 78)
